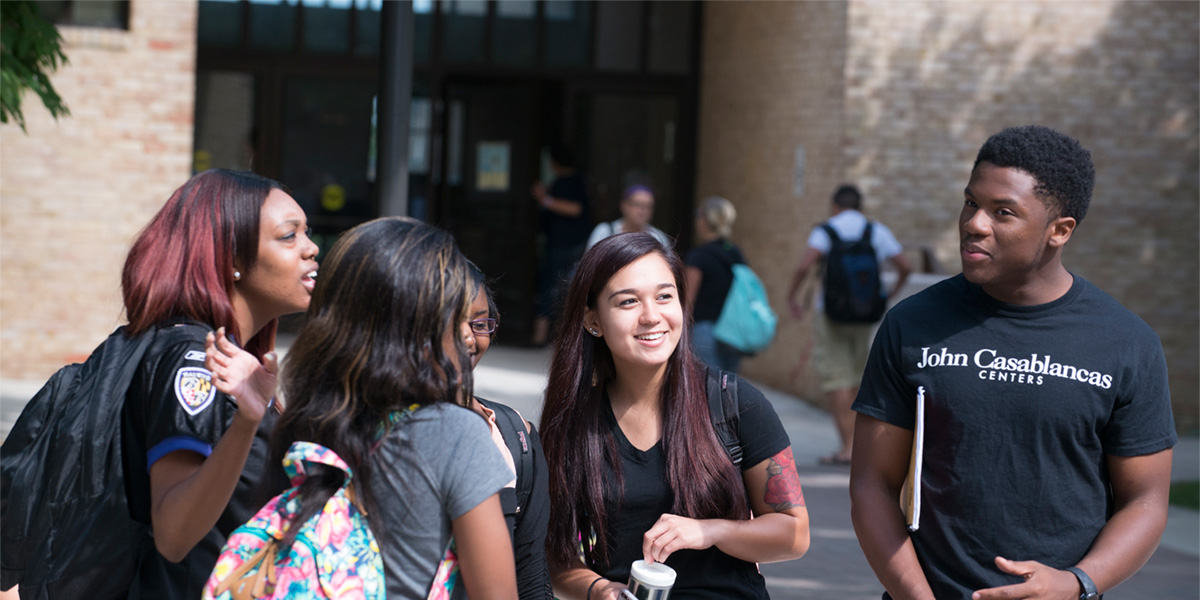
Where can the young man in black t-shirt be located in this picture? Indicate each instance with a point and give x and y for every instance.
(1047, 419)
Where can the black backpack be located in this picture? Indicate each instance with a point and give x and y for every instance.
(512, 429)
(65, 524)
(853, 291)
(723, 411)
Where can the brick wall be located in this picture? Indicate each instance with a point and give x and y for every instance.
(772, 84)
(77, 191)
(925, 83)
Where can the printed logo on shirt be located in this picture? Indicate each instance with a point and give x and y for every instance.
(194, 389)
(194, 355)
(995, 367)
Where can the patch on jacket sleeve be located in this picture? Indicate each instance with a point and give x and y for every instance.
(194, 355)
(194, 389)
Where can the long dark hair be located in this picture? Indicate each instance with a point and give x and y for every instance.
(389, 293)
(580, 448)
(181, 265)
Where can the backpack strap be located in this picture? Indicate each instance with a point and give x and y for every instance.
(512, 429)
(833, 236)
(723, 410)
(866, 234)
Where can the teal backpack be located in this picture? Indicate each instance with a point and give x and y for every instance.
(747, 321)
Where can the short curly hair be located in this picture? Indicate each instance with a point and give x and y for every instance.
(1061, 166)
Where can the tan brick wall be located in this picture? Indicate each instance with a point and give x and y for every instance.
(74, 193)
(772, 82)
(925, 84)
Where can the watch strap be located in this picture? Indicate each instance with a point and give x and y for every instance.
(1089, 587)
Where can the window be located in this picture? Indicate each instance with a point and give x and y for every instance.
(568, 33)
(619, 36)
(109, 14)
(463, 23)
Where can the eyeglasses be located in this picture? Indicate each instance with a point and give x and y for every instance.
(482, 326)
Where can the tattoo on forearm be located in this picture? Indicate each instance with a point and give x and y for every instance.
(783, 483)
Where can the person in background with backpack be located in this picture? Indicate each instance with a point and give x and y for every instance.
(637, 470)
(525, 499)
(709, 277)
(637, 208)
(380, 375)
(842, 331)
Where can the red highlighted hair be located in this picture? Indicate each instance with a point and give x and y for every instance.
(182, 263)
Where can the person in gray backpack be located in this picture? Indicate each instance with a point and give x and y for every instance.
(851, 249)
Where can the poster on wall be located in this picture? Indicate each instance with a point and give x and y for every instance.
(492, 162)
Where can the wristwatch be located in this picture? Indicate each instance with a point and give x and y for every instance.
(1089, 586)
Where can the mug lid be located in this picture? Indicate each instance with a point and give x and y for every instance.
(653, 574)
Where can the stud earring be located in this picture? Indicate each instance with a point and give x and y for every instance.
(237, 275)
(593, 332)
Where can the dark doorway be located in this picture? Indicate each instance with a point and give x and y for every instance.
(632, 139)
(288, 90)
(492, 132)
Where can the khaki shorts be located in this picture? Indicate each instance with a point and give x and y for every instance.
(840, 352)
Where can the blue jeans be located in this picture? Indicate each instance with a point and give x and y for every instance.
(712, 351)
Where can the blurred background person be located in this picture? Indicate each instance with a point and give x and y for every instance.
(842, 345)
(709, 276)
(565, 221)
(637, 208)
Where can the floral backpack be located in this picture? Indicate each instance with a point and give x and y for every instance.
(334, 556)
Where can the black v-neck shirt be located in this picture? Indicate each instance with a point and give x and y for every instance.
(701, 574)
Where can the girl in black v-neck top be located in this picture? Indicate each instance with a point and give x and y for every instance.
(636, 470)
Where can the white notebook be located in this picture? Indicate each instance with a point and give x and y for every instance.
(911, 493)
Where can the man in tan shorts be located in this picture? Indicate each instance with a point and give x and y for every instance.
(841, 346)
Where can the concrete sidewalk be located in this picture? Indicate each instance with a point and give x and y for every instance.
(834, 568)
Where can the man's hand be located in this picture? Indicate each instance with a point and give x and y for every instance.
(1041, 583)
(538, 191)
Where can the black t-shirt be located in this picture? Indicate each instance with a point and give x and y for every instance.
(715, 261)
(567, 233)
(709, 573)
(1022, 404)
(172, 405)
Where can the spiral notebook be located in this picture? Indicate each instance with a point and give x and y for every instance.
(910, 494)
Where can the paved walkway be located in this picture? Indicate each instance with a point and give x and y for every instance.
(834, 568)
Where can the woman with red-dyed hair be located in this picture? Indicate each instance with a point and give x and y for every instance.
(228, 252)
(637, 471)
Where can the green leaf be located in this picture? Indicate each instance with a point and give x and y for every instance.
(30, 50)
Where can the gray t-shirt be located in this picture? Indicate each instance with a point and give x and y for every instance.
(431, 469)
